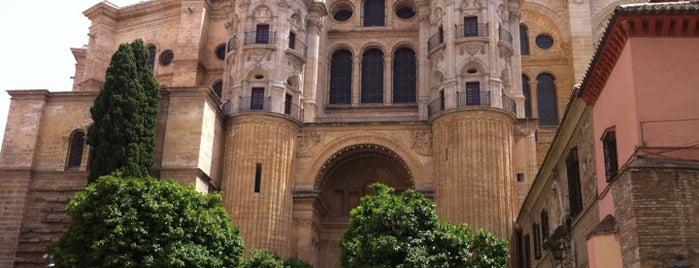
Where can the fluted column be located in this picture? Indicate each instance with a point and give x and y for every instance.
(474, 170)
(388, 78)
(262, 211)
(356, 74)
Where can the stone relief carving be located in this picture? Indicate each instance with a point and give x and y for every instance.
(422, 142)
(307, 140)
(437, 57)
(472, 49)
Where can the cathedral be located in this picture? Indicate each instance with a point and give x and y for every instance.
(292, 108)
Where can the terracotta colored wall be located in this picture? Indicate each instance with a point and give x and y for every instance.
(666, 90)
(615, 108)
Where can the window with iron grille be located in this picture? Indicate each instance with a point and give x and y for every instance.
(611, 166)
(341, 77)
(574, 191)
(372, 76)
(257, 98)
(292, 40)
(262, 34)
(374, 12)
(287, 104)
(470, 26)
(473, 93)
(546, 96)
(404, 76)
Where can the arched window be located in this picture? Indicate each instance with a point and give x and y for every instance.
(546, 96)
(404, 76)
(151, 55)
(524, 39)
(372, 76)
(527, 92)
(75, 149)
(374, 12)
(341, 77)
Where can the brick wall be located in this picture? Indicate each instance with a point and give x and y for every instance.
(657, 213)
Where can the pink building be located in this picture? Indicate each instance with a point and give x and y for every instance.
(633, 179)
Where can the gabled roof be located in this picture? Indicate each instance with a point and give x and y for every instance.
(670, 19)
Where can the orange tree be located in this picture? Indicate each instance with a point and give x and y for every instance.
(389, 230)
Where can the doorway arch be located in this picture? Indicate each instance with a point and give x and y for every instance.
(342, 180)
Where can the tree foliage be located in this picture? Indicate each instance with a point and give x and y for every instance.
(124, 114)
(146, 222)
(389, 230)
(267, 259)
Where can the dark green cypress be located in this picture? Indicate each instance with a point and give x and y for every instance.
(124, 114)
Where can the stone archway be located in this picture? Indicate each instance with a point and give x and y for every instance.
(343, 180)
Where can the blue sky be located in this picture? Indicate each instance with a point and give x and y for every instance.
(35, 51)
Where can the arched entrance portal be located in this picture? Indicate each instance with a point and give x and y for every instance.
(344, 179)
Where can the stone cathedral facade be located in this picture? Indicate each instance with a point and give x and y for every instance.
(292, 108)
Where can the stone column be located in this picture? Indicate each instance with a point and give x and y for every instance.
(310, 78)
(388, 79)
(356, 79)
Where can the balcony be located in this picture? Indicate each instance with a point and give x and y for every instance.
(472, 30)
(473, 98)
(262, 38)
(434, 41)
(268, 104)
(298, 47)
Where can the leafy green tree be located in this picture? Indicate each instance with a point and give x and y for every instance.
(267, 259)
(124, 114)
(389, 230)
(146, 222)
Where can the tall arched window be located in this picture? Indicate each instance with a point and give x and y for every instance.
(75, 149)
(151, 55)
(341, 77)
(372, 76)
(527, 92)
(404, 76)
(546, 96)
(374, 12)
(524, 39)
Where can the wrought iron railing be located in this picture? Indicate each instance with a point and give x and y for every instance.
(262, 37)
(298, 46)
(263, 104)
(505, 35)
(435, 106)
(472, 30)
(509, 104)
(366, 118)
(473, 98)
(436, 40)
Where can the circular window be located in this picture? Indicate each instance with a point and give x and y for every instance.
(544, 41)
(166, 57)
(342, 11)
(472, 71)
(221, 51)
(259, 76)
(405, 12)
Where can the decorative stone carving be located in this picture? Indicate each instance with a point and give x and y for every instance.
(421, 141)
(307, 140)
(472, 49)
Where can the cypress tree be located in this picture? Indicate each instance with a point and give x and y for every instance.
(124, 114)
